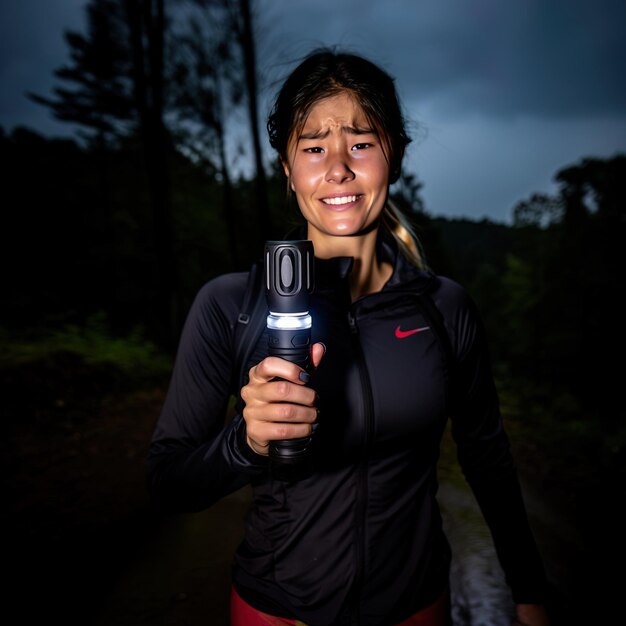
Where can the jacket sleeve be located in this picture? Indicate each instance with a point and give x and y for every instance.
(194, 457)
(484, 452)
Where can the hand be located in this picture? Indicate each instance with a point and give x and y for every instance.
(279, 409)
(530, 615)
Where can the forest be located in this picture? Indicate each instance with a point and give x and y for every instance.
(81, 259)
(107, 237)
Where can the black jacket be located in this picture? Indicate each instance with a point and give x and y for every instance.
(361, 538)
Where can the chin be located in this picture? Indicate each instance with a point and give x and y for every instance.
(349, 229)
(346, 227)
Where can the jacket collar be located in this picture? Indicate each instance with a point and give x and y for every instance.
(333, 273)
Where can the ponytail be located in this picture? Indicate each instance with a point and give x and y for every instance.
(394, 220)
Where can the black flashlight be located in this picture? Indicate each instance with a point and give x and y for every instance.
(289, 281)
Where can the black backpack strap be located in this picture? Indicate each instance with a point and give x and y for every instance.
(250, 323)
(437, 323)
(436, 320)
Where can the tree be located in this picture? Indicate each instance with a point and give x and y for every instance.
(577, 266)
(226, 67)
(147, 26)
(102, 100)
(205, 86)
(118, 68)
(540, 210)
(246, 39)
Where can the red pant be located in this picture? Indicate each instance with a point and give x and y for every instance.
(242, 614)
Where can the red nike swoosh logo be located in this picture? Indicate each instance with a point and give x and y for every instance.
(402, 334)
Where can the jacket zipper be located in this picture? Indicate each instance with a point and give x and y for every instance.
(362, 484)
(365, 381)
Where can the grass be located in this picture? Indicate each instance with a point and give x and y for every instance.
(554, 437)
(133, 356)
(59, 378)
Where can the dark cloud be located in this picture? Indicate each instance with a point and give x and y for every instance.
(503, 92)
(31, 48)
(521, 57)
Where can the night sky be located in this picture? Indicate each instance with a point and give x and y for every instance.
(500, 94)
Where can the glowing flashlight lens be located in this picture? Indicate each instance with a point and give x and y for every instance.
(299, 321)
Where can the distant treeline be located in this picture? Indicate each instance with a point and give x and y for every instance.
(78, 238)
(78, 233)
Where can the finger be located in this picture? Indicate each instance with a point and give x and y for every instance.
(284, 391)
(318, 350)
(289, 413)
(274, 367)
(275, 431)
(258, 447)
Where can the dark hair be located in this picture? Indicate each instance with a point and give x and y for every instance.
(324, 73)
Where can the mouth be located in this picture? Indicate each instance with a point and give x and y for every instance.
(341, 201)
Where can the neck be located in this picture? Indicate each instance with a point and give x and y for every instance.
(369, 274)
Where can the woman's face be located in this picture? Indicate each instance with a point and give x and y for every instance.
(337, 169)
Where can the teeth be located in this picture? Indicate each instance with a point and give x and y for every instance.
(342, 200)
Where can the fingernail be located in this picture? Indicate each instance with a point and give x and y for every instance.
(304, 377)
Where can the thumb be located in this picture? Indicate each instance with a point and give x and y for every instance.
(318, 350)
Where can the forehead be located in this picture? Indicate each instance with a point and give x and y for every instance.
(339, 111)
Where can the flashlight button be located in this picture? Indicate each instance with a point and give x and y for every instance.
(287, 270)
(300, 339)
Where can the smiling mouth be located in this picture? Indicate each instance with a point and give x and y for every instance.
(340, 200)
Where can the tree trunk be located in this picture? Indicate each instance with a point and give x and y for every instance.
(228, 206)
(147, 23)
(247, 45)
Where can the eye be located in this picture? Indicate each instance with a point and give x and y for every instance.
(314, 150)
(362, 146)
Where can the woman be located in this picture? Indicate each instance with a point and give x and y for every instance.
(360, 540)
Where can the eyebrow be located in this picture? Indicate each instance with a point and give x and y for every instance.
(348, 130)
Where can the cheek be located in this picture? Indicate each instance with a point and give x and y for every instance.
(305, 180)
(379, 173)
(372, 168)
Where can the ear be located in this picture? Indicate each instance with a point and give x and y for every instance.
(287, 173)
(285, 167)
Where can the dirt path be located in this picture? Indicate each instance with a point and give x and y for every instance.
(181, 575)
(77, 509)
(83, 546)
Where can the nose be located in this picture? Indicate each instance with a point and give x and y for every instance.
(339, 171)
